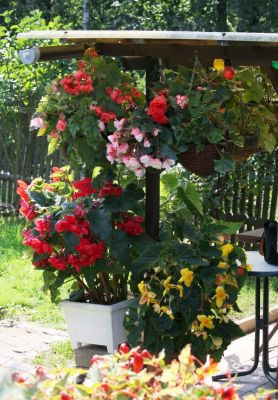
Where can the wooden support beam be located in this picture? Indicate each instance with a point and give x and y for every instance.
(152, 176)
(273, 76)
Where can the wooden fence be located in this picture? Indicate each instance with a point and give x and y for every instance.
(22, 156)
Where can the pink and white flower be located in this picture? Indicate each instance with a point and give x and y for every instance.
(156, 131)
(101, 126)
(147, 143)
(37, 123)
(145, 160)
(182, 101)
(168, 163)
(156, 163)
(137, 134)
(61, 125)
(119, 124)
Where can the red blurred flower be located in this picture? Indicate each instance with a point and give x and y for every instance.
(59, 263)
(110, 190)
(84, 188)
(43, 225)
(22, 190)
(157, 110)
(131, 225)
(27, 210)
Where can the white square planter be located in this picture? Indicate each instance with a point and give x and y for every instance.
(96, 323)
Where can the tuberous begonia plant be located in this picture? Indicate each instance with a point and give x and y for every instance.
(129, 374)
(81, 232)
(187, 284)
(82, 109)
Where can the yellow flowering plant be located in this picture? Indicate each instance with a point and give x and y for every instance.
(187, 285)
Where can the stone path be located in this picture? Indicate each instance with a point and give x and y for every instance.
(21, 341)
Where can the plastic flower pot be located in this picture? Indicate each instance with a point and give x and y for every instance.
(96, 324)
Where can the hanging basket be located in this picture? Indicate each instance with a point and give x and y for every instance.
(243, 153)
(200, 163)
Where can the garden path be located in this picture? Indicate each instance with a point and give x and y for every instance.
(21, 341)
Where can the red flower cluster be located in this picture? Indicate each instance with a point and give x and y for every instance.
(70, 223)
(157, 110)
(110, 190)
(40, 246)
(105, 116)
(43, 225)
(84, 188)
(79, 82)
(88, 254)
(131, 225)
(59, 263)
(26, 208)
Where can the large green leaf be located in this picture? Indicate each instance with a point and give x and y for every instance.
(225, 164)
(119, 246)
(191, 197)
(101, 223)
(71, 240)
(148, 258)
(188, 255)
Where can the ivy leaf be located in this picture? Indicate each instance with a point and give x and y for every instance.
(100, 223)
(225, 164)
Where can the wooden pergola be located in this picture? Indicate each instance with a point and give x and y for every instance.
(148, 50)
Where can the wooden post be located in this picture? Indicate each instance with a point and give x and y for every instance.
(152, 177)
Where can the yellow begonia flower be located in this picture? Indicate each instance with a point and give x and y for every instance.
(180, 289)
(220, 296)
(186, 276)
(217, 341)
(166, 283)
(167, 311)
(156, 307)
(248, 267)
(146, 296)
(223, 265)
(218, 64)
(205, 321)
(227, 249)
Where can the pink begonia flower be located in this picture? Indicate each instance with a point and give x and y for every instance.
(137, 134)
(139, 172)
(147, 143)
(123, 149)
(61, 125)
(54, 87)
(156, 131)
(111, 153)
(114, 139)
(131, 162)
(54, 134)
(119, 124)
(156, 163)
(101, 126)
(145, 160)
(37, 123)
(182, 101)
(168, 163)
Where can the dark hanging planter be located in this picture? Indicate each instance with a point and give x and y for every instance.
(243, 153)
(200, 163)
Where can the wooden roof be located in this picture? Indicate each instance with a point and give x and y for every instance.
(172, 47)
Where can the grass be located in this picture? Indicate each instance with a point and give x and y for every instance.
(21, 294)
(61, 355)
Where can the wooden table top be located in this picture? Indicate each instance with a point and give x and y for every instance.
(253, 236)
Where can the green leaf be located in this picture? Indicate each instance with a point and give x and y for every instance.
(148, 258)
(215, 136)
(230, 227)
(101, 223)
(127, 201)
(254, 93)
(40, 199)
(191, 197)
(71, 240)
(225, 164)
(119, 246)
(188, 255)
(114, 268)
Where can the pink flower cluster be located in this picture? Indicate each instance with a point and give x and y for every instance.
(131, 147)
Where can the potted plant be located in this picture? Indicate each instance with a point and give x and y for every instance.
(201, 116)
(80, 110)
(84, 232)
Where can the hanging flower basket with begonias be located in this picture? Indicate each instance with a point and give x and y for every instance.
(82, 233)
(199, 113)
(80, 110)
